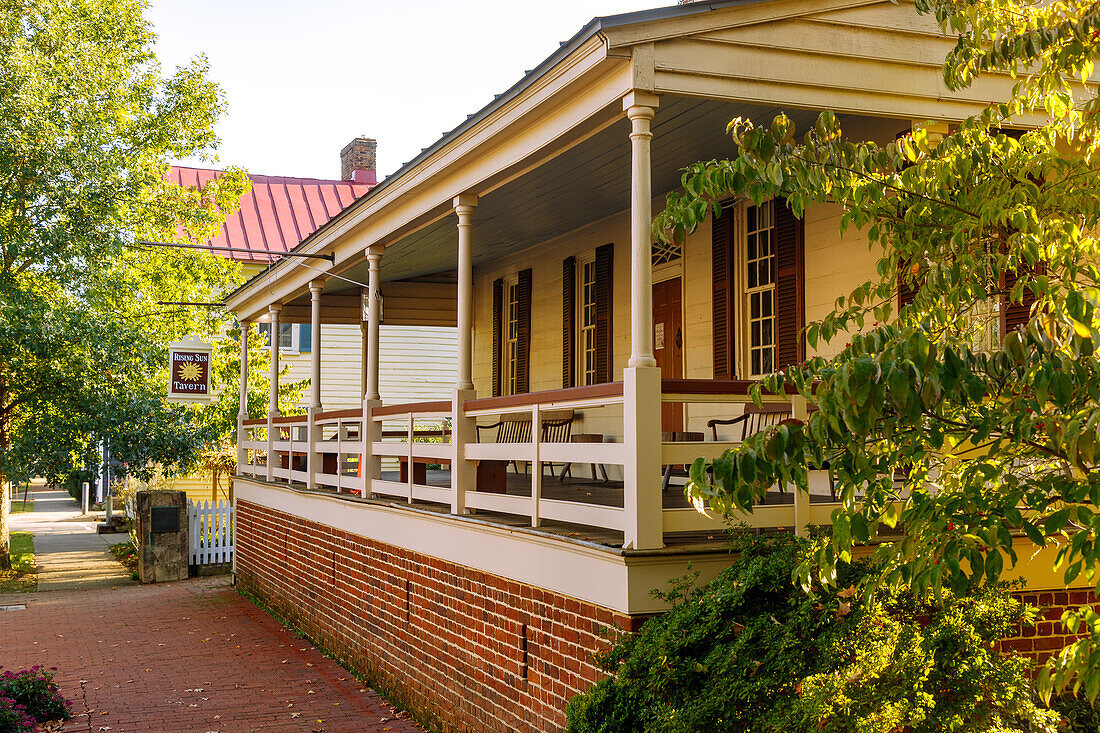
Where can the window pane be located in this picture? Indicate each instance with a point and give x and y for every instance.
(286, 335)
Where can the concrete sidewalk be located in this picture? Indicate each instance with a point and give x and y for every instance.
(69, 553)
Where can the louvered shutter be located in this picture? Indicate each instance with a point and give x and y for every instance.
(605, 280)
(906, 292)
(569, 322)
(1016, 314)
(523, 332)
(790, 316)
(722, 294)
(498, 334)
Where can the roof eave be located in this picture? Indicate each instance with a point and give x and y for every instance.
(594, 27)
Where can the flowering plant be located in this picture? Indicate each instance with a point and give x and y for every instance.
(13, 717)
(28, 697)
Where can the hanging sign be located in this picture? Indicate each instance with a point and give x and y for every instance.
(189, 372)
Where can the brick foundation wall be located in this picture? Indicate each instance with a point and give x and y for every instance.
(463, 649)
(1047, 637)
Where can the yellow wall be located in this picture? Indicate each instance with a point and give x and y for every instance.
(834, 266)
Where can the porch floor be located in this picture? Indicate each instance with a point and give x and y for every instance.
(584, 490)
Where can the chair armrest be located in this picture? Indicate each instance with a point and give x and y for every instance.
(713, 424)
(727, 421)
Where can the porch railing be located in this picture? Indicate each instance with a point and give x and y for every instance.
(410, 452)
(538, 452)
(252, 448)
(338, 444)
(731, 397)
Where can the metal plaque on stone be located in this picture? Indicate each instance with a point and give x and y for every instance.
(164, 519)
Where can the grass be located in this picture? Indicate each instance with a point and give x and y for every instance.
(17, 507)
(23, 577)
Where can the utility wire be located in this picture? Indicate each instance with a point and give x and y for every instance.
(186, 245)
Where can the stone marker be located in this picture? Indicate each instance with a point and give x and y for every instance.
(162, 536)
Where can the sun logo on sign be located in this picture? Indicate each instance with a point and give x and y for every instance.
(190, 372)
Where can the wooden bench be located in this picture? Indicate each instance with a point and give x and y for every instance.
(557, 427)
(756, 419)
(753, 420)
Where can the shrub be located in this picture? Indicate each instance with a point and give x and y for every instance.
(13, 717)
(35, 692)
(1078, 714)
(751, 652)
(73, 481)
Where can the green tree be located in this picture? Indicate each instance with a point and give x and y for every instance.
(87, 123)
(219, 418)
(964, 445)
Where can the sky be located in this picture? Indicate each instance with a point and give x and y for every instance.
(302, 78)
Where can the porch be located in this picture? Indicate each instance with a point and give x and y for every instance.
(526, 484)
(527, 228)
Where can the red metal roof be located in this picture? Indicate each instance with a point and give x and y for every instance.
(277, 214)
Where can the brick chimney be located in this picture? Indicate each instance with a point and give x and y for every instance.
(358, 161)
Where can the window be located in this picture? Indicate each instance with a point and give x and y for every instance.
(293, 337)
(511, 338)
(586, 334)
(760, 288)
(983, 323)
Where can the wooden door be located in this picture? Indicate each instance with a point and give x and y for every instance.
(668, 345)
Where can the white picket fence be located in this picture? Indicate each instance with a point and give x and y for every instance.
(211, 528)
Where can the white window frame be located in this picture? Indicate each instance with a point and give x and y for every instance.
(295, 338)
(586, 331)
(510, 337)
(983, 324)
(765, 348)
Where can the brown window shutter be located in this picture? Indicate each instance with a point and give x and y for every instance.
(1016, 314)
(569, 322)
(722, 265)
(790, 275)
(498, 334)
(605, 279)
(523, 333)
(906, 292)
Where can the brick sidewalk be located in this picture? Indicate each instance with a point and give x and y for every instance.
(188, 656)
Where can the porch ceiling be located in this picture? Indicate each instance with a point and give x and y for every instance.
(583, 185)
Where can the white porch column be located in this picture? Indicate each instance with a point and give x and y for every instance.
(640, 108)
(364, 336)
(801, 498)
(374, 319)
(273, 405)
(370, 465)
(242, 412)
(464, 207)
(642, 377)
(463, 430)
(313, 433)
